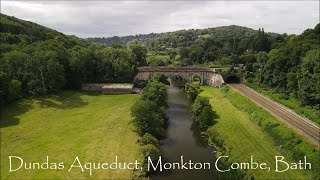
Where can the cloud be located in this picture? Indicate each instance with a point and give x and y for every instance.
(109, 18)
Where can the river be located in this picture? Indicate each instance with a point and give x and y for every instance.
(184, 139)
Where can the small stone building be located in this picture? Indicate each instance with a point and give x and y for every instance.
(108, 88)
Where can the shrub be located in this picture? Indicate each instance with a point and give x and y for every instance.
(206, 117)
(224, 88)
(162, 79)
(156, 92)
(150, 150)
(202, 112)
(148, 117)
(192, 89)
(149, 139)
(198, 105)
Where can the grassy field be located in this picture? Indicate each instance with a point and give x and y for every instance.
(94, 127)
(291, 103)
(243, 138)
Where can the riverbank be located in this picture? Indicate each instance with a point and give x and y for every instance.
(243, 138)
(184, 139)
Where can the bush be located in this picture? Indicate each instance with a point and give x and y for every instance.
(202, 112)
(148, 117)
(156, 92)
(151, 151)
(192, 89)
(198, 105)
(224, 88)
(162, 79)
(149, 139)
(15, 89)
(206, 117)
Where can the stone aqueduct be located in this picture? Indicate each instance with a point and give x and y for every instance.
(207, 75)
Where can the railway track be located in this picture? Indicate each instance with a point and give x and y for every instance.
(306, 127)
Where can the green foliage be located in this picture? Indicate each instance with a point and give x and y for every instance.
(140, 52)
(162, 78)
(261, 42)
(149, 139)
(202, 112)
(10, 89)
(178, 81)
(192, 89)
(293, 68)
(292, 144)
(46, 61)
(158, 60)
(206, 117)
(224, 88)
(148, 117)
(149, 113)
(198, 106)
(4, 88)
(156, 92)
(291, 102)
(151, 151)
(309, 86)
(15, 89)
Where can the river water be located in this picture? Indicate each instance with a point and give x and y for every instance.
(184, 139)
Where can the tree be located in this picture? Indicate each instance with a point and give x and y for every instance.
(262, 42)
(262, 59)
(140, 51)
(192, 89)
(149, 139)
(156, 92)
(15, 90)
(196, 54)
(162, 79)
(309, 88)
(148, 117)
(202, 112)
(4, 87)
(198, 105)
(151, 151)
(206, 117)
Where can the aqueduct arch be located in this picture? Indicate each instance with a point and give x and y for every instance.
(207, 75)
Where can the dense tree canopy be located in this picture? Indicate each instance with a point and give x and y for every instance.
(44, 60)
(41, 60)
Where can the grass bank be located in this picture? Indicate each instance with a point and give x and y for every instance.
(243, 138)
(94, 127)
(292, 103)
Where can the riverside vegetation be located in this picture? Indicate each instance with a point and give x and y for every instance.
(205, 118)
(39, 66)
(236, 134)
(149, 119)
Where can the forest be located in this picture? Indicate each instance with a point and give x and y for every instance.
(36, 60)
(289, 64)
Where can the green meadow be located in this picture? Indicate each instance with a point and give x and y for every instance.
(243, 138)
(96, 128)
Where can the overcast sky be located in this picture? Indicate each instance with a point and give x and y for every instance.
(110, 18)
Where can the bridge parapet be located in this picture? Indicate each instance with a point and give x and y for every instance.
(207, 75)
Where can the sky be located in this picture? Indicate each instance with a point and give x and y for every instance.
(117, 18)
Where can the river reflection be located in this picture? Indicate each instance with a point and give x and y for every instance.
(184, 139)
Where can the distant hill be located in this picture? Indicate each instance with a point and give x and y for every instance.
(21, 30)
(122, 39)
(183, 37)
